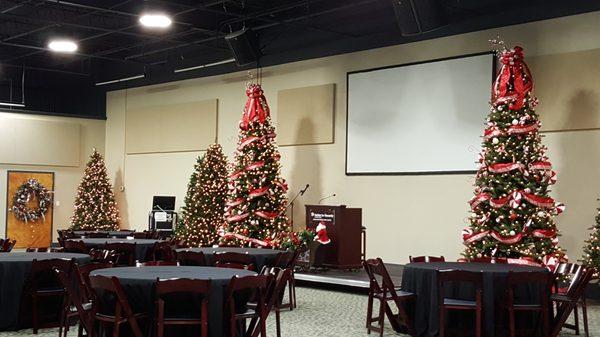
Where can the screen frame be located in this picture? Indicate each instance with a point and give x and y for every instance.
(493, 77)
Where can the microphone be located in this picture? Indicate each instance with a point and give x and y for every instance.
(304, 190)
(327, 197)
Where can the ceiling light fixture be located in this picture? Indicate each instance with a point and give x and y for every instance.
(155, 20)
(121, 80)
(204, 66)
(62, 46)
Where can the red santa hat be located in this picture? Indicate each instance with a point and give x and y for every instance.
(322, 234)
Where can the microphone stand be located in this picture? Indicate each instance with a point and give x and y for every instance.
(291, 204)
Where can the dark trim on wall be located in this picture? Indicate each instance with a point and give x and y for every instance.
(49, 113)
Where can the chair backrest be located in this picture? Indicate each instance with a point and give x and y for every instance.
(543, 280)
(103, 255)
(156, 263)
(112, 285)
(376, 268)
(488, 259)
(182, 285)
(415, 259)
(97, 235)
(445, 276)
(8, 245)
(75, 246)
(190, 258)
(43, 274)
(140, 235)
(125, 252)
(83, 276)
(254, 285)
(234, 260)
(284, 259)
(162, 251)
(565, 273)
(72, 295)
(30, 250)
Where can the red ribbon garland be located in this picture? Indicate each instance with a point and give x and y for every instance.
(256, 108)
(514, 70)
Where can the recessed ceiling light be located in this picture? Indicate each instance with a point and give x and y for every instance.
(155, 20)
(62, 46)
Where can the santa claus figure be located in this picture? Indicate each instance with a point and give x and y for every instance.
(321, 235)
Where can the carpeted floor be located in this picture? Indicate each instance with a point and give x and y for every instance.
(325, 313)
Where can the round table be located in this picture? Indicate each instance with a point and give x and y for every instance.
(421, 279)
(262, 257)
(111, 234)
(14, 271)
(141, 245)
(138, 283)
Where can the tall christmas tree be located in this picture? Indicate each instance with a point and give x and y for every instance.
(591, 251)
(202, 214)
(512, 214)
(256, 205)
(95, 206)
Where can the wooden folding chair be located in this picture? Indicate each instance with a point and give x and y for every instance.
(566, 303)
(165, 288)
(416, 259)
(445, 304)
(257, 285)
(123, 312)
(544, 282)
(234, 260)
(190, 258)
(382, 288)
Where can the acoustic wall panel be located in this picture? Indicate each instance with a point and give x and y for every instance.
(39, 142)
(171, 128)
(568, 88)
(305, 115)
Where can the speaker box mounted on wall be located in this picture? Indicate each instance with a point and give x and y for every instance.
(244, 46)
(419, 16)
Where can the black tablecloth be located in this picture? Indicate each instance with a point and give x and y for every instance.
(14, 271)
(139, 282)
(261, 257)
(421, 279)
(141, 245)
(111, 234)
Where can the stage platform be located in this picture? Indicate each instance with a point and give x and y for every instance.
(351, 279)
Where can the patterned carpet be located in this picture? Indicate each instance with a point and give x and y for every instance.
(324, 313)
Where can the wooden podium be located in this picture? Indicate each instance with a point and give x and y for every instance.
(344, 226)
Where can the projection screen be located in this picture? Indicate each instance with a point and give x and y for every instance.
(418, 118)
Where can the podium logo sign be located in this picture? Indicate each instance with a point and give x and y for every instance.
(327, 218)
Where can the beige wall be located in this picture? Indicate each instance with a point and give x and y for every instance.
(66, 179)
(403, 214)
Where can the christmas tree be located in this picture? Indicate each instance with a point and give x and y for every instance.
(202, 214)
(512, 214)
(591, 252)
(95, 206)
(256, 205)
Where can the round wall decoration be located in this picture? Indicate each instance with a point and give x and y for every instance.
(24, 194)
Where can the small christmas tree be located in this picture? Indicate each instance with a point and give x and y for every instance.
(256, 203)
(512, 213)
(202, 213)
(591, 252)
(95, 206)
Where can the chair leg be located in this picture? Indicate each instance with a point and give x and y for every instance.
(511, 322)
(278, 322)
(34, 314)
(294, 290)
(61, 323)
(585, 317)
(576, 314)
(442, 322)
(478, 323)
(291, 295)
(545, 323)
(369, 311)
(381, 317)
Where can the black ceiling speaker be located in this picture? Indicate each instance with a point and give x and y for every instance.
(244, 46)
(419, 16)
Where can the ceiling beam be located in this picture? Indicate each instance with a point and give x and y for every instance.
(258, 28)
(8, 65)
(44, 49)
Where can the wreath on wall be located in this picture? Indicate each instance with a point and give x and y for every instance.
(24, 194)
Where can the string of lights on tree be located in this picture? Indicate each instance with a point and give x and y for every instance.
(591, 251)
(256, 204)
(512, 214)
(95, 205)
(204, 203)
